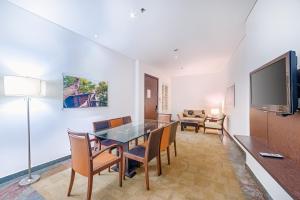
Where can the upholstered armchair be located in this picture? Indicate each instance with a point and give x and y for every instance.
(215, 122)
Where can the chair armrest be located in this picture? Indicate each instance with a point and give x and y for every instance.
(109, 148)
(179, 116)
(94, 140)
(207, 118)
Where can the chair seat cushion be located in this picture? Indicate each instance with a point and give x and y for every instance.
(107, 143)
(214, 125)
(138, 151)
(103, 159)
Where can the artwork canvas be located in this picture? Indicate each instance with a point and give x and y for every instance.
(230, 99)
(83, 93)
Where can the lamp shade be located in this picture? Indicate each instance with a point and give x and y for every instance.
(215, 111)
(23, 86)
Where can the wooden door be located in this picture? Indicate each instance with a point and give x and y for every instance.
(151, 97)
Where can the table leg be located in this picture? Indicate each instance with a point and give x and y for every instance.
(130, 166)
(196, 128)
(182, 127)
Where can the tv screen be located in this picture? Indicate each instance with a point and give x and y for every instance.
(274, 85)
(269, 85)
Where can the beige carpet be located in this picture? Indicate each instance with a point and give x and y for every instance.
(200, 171)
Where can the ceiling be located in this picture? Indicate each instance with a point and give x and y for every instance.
(205, 32)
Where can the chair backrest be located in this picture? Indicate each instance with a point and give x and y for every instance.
(221, 119)
(164, 117)
(101, 125)
(173, 132)
(165, 138)
(80, 153)
(127, 120)
(153, 147)
(116, 122)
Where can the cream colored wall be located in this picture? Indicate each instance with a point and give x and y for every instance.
(202, 91)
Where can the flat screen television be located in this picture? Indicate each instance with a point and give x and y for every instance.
(273, 86)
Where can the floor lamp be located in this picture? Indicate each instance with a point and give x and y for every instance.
(25, 87)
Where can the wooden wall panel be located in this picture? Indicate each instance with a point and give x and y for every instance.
(284, 135)
(281, 134)
(259, 124)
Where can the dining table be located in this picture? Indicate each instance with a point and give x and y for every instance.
(126, 133)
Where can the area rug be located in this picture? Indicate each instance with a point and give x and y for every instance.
(201, 170)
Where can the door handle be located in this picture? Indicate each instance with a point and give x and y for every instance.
(156, 108)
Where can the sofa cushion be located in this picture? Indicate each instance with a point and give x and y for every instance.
(201, 120)
(213, 125)
(191, 112)
(201, 113)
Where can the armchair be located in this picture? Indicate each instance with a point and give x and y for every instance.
(215, 123)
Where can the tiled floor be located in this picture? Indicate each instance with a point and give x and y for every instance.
(248, 186)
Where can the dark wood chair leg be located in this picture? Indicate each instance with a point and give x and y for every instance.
(159, 163)
(136, 142)
(157, 166)
(71, 182)
(124, 167)
(175, 149)
(121, 171)
(146, 176)
(90, 187)
(168, 155)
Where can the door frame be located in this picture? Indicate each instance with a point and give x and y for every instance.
(150, 76)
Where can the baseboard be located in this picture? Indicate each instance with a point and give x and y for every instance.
(33, 169)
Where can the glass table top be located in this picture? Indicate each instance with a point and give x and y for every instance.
(129, 132)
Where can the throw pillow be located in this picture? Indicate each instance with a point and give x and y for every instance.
(190, 112)
(184, 115)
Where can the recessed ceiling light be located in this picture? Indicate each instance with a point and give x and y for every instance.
(132, 15)
(96, 36)
(175, 50)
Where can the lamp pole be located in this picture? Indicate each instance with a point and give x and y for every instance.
(31, 178)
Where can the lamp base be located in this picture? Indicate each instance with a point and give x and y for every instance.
(28, 181)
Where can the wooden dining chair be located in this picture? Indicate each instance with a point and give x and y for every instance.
(102, 125)
(127, 120)
(144, 154)
(165, 141)
(164, 117)
(87, 163)
(173, 132)
(116, 122)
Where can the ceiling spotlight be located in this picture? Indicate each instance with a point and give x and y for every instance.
(96, 36)
(175, 57)
(143, 10)
(175, 50)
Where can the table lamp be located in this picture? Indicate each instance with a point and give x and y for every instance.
(25, 87)
(215, 111)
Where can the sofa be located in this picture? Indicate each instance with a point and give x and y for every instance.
(193, 115)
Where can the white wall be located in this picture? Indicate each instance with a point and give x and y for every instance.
(32, 46)
(272, 29)
(163, 78)
(202, 91)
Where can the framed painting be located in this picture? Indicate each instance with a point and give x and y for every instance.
(83, 93)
